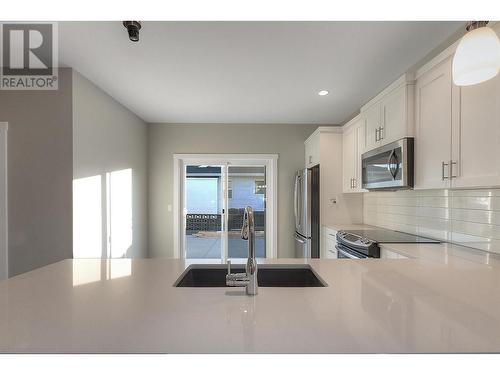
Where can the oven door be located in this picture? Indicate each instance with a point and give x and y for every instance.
(344, 252)
(389, 166)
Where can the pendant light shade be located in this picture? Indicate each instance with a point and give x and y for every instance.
(477, 58)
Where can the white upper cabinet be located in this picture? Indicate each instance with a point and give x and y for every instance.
(389, 116)
(353, 140)
(373, 121)
(433, 95)
(476, 136)
(395, 124)
(349, 142)
(312, 154)
(457, 130)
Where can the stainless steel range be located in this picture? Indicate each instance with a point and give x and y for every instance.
(359, 244)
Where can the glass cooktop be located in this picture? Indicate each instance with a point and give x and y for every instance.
(390, 236)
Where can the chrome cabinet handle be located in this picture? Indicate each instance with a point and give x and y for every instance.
(443, 164)
(380, 137)
(354, 183)
(376, 134)
(451, 169)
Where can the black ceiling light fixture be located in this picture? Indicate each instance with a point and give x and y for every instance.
(133, 28)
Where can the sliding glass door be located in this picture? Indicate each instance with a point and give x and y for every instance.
(246, 187)
(204, 212)
(214, 197)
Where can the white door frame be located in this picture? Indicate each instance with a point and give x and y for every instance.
(4, 251)
(271, 163)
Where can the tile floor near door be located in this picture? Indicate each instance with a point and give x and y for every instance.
(205, 247)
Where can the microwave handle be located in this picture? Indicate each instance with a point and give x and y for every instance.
(392, 171)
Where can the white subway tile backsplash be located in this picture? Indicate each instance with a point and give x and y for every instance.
(468, 217)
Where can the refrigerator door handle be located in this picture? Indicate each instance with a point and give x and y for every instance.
(302, 247)
(299, 204)
(295, 197)
(299, 240)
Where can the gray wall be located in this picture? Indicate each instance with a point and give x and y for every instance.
(167, 139)
(40, 174)
(108, 137)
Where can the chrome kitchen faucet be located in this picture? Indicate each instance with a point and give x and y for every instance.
(248, 278)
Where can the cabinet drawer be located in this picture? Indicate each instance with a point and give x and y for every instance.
(330, 251)
(329, 232)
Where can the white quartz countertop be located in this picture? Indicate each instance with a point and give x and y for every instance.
(369, 306)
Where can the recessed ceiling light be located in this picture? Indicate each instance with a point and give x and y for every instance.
(323, 92)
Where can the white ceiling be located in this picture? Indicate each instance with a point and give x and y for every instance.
(247, 72)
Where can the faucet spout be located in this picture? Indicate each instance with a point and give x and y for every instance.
(249, 278)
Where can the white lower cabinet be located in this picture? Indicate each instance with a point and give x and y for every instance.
(328, 243)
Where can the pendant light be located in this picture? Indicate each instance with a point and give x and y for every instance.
(477, 58)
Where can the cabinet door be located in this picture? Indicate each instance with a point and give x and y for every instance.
(308, 153)
(373, 122)
(349, 158)
(312, 151)
(360, 149)
(394, 116)
(329, 250)
(476, 138)
(433, 127)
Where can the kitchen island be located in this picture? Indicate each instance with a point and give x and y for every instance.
(446, 303)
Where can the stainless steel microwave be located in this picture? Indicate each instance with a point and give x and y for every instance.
(389, 167)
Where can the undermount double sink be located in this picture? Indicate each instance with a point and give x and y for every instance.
(277, 276)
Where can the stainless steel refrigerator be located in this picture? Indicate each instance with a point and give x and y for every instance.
(306, 212)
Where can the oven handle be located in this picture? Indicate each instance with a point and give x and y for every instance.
(339, 249)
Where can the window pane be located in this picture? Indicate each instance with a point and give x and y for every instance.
(204, 212)
(248, 189)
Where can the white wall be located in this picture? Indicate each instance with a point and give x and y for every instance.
(166, 140)
(39, 174)
(4, 252)
(109, 138)
(467, 217)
